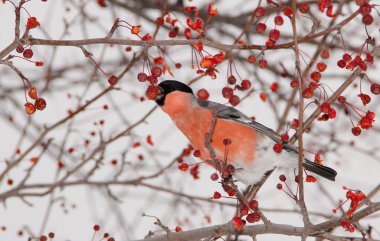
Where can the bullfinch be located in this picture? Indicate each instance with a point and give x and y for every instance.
(251, 144)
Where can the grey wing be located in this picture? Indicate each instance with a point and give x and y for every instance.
(230, 113)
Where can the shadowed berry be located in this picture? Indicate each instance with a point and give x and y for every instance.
(40, 104)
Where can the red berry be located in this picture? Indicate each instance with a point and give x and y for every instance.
(28, 53)
(246, 84)
(227, 92)
(278, 20)
(238, 223)
(288, 11)
(282, 178)
(101, 3)
(250, 218)
(253, 205)
(32, 23)
(294, 83)
(29, 108)
(307, 93)
(152, 92)
(274, 34)
(160, 21)
(263, 96)
(214, 176)
(316, 76)
(33, 93)
(285, 137)
(270, 43)
(203, 94)
(346, 57)
(10, 182)
(156, 71)
(303, 7)
(183, 167)
(279, 186)
(365, 9)
(295, 124)
(227, 142)
(263, 63)
(259, 12)
(325, 54)
(51, 235)
(251, 59)
(142, 76)
(40, 103)
(152, 80)
(20, 49)
(178, 65)
(367, 19)
(341, 63)
(321, 66)
(197, 153)
(39, 63)
(112, 80)
(261, 27)
(310, 178)
(274, 87)
(96, 228)
(43, 238)
(332, 113)
(325, 107)
(244, 210)
(375, 89)
(231, 80)
(364, 98)
(278, 147)
(234, 100)
(216, 195)
(342, 99)
(356, 131)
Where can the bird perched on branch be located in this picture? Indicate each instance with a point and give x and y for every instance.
(250, 149)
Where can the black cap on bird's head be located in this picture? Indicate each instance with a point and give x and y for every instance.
(168, 86)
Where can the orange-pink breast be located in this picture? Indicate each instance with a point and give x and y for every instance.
(195, 122)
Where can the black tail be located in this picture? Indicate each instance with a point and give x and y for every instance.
(320, 170)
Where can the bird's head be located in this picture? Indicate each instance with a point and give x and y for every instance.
(170, 86)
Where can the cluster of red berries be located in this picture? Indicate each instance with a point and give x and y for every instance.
(152, 78)
(365, 9)
(209, 61)
(198, 25)
(355, 196)
(328, 112)
(51, 235)
(288, 191)
(315, 76)
(106, 236)
(249, 212)
(152, 91)
(274, 34)
(349, 63)
(366, 120)
(39, 103)
(28, 54)
(183, 166)
(136, 29)
(228, 92)
(327, 4)
(32, 22)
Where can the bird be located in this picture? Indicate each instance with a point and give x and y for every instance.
(250, 150)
